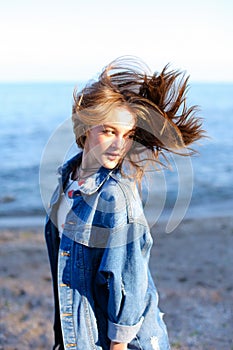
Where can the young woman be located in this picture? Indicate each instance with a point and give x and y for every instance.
(97, 236)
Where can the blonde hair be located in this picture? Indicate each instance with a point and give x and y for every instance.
(157, 101)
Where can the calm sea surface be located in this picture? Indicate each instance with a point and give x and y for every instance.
(36, 136)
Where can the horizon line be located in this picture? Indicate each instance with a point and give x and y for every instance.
(81, 81)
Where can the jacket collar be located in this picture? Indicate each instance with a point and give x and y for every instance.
(92, 183)
(95, 181)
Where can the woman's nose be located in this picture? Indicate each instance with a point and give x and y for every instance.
(118, 142)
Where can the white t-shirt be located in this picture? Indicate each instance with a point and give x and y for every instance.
(66, 204)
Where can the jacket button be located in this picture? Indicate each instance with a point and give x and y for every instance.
(71, 222)
(65, 254)
(64, 285)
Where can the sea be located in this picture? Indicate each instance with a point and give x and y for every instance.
(36, 137)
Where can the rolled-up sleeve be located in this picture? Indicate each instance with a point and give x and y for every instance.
(121, 333)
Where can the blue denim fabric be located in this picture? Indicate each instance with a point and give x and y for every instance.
(102, 283)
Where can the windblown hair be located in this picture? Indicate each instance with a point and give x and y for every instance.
(158, 102)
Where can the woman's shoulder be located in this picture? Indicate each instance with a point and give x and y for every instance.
(116, 186)
(111, 194)
(120, 195)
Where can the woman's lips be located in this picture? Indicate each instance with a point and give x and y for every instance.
(113, 155)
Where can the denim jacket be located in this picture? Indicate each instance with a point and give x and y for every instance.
(103, 289)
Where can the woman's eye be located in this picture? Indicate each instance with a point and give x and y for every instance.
(108, 132)
(131, 136)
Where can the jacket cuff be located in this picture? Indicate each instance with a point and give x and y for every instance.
(121, 333)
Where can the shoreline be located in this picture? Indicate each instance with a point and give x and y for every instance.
(207, 211)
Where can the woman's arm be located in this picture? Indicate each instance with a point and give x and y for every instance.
(121, 286)
(122, 278)
(118, 346)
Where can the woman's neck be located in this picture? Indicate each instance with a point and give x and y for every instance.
(86, 168)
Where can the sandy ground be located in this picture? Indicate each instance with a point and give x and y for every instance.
(192, 268)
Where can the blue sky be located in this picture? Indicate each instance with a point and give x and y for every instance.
(68, 40)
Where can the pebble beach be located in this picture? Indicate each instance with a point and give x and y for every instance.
(192, 269)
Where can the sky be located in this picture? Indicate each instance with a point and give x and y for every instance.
(72, 40)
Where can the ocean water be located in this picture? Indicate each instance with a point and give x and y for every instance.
(36, 136)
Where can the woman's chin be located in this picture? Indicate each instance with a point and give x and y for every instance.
(110, 164)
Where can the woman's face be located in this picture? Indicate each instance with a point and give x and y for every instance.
(107, 144)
